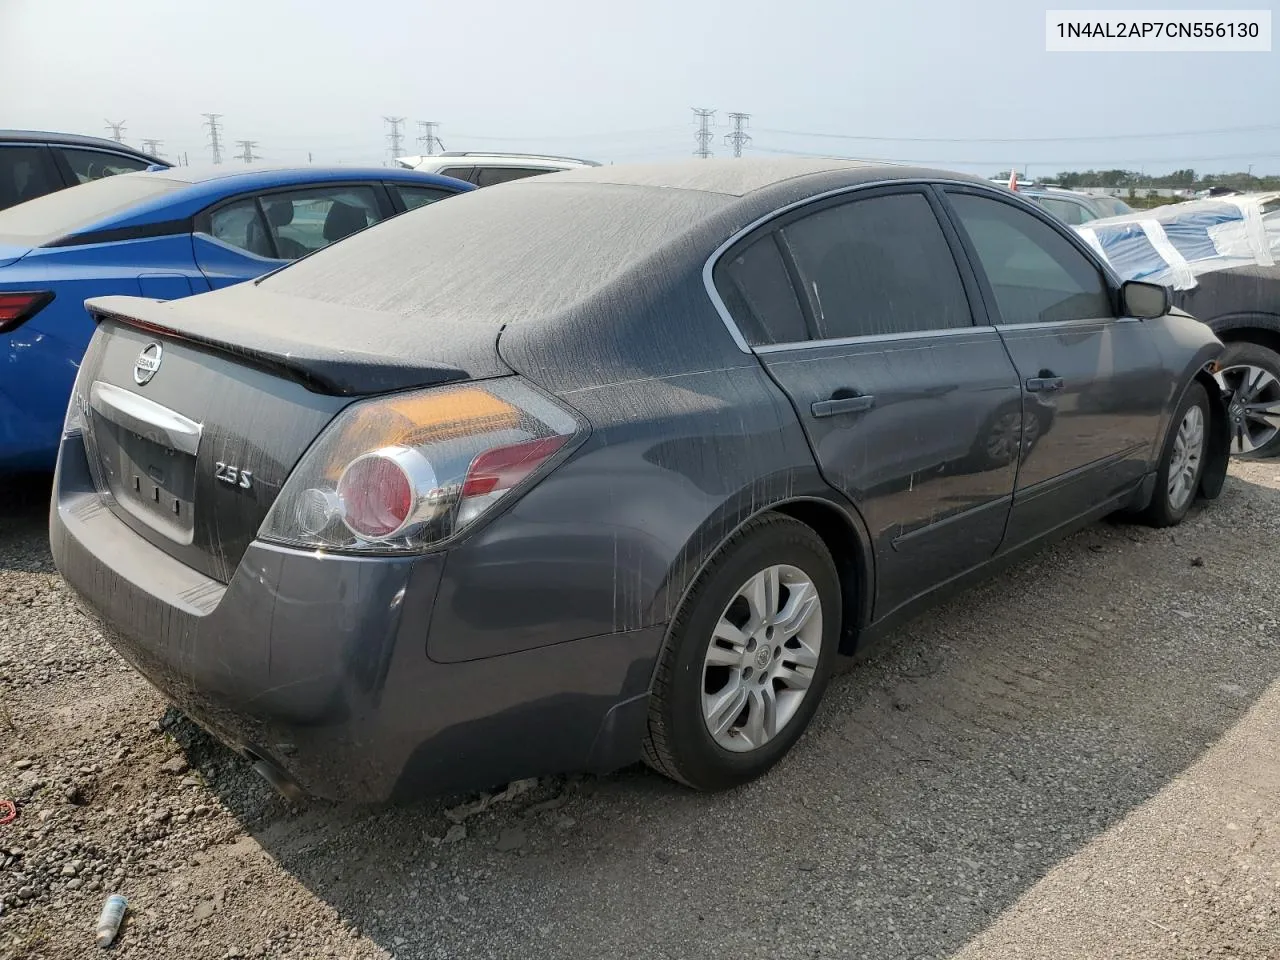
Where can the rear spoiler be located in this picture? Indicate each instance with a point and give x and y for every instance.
(334, 373)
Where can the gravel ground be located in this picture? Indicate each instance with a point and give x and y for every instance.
(1077, 759)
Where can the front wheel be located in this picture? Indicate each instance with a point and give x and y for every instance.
(747, 657)
(1182, 460)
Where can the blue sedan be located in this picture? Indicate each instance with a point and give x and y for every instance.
(162, 234)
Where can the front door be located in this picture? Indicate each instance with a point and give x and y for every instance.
(910, 408)
(1094, 387)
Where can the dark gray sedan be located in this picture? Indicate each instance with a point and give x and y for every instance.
(606, 465)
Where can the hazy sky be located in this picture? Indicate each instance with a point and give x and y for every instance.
(613, 81)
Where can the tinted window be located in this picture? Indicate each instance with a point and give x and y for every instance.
(89, 165)
(1037, 275)
(305, 220)
(240, 225)
(73, 211)
(1068, 211)
(488, 176)
(26, 173)
(458, 173)
(414, 197)
(878, 266)
(755, 287)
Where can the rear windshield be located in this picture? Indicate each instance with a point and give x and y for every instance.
(69, 211)
(507, 253)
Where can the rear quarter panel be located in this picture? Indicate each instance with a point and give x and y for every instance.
(42, 356)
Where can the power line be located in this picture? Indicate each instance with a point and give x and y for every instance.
(247, 154)
(429, 138)
(152, 147)
(739, 137)
(117, 130)
(614, 135)
(215, 145)
(1108, 137)
(395, 137)
(703, 136)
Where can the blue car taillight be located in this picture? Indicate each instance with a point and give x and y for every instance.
(19, 306)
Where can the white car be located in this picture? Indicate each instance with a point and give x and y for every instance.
(486, 169)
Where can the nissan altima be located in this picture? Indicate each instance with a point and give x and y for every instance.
(606, 465)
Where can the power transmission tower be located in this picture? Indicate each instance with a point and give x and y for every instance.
(703, 136)
(152, 147)
(215, 144)
(247, 154)
(429, 138)
(739, 137)
(117, 131)
(395, 137)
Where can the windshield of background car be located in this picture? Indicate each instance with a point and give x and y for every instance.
(509, 252)
(1112, 207)
(64, 212)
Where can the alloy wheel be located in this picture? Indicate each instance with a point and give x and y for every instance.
(1188, 451)
(1253, 406)
(762, 657)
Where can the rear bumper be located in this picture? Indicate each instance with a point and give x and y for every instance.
(318, 664)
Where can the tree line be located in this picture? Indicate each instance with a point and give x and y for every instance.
(1177, 180)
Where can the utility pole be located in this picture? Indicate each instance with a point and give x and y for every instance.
(117, 131)
(429, 138)
(152, 147)
(739, 137)
(395, 137)
(215, 144)
(703, 136)
(247, 154)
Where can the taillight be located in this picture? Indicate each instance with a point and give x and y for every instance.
(18, 307)
(405, 473)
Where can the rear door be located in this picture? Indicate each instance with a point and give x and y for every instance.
(860, 312)
(1094, 387)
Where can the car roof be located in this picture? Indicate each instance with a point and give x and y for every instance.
(461, 159)
(740, 177)
(75, 140)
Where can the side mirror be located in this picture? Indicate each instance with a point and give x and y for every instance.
(1146, 301)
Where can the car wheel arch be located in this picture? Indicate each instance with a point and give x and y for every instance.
(839, 526)
(1259, 328)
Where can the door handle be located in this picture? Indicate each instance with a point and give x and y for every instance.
(1044, 384)
(839, 405)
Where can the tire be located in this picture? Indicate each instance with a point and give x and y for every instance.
(1250, 378)
(680, 743)
(1180, 460)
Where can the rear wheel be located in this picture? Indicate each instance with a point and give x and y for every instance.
(1250, 378)
(747, 657)
(1182, 460)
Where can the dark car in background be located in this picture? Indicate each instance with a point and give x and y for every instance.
(1221, 257)
(607, 464)
(33, 162)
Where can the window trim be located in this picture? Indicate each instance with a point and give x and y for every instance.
(935, 184)
(1109, 279)
(775, 223)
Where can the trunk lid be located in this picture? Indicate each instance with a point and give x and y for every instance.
(194, 418)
